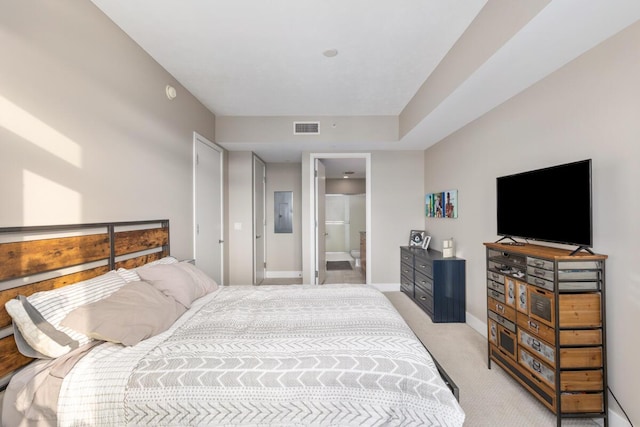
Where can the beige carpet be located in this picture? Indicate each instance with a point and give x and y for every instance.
(489, 397)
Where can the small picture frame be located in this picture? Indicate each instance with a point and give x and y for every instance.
(425, 244)
(416, 238)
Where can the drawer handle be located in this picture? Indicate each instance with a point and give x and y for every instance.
(499, 307)
(535, 344)
(423, 266)
(540, 272)
(423, 282)
(533, 325)
(495, 276)
(536, 366)
(538, 263)
(423, 298)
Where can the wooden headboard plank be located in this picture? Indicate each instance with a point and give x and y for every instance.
(45, 285)
(20, 259)
(140, 260)
(127, 242)
(10, 358)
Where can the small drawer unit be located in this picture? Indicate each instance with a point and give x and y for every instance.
(436, 284)
(546, 325)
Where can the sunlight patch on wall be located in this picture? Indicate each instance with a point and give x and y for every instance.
(39, 133)
(47, 202)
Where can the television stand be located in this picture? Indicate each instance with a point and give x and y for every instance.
(581, 248)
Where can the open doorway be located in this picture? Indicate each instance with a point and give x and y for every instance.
(342, 219)
(345, 231)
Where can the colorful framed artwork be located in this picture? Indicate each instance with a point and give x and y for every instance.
(443, 204)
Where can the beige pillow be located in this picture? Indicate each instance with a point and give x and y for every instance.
(182, 281)
(135, 312)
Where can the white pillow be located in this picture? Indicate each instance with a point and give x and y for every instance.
(182, 281)
(132, 275)
(38, 316)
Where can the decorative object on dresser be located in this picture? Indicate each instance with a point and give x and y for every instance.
(546, 325)
(436, 284)
(416, 238)
(448, 250)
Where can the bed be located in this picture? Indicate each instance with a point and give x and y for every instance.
(230, 355)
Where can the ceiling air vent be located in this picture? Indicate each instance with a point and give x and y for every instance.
(306, 128)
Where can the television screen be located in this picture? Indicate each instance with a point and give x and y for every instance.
(551, 204)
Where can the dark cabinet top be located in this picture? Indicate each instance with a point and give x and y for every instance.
(427, 253)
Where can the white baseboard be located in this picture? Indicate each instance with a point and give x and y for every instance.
(478, 325)
(283, 274)
(615, 419)
(386, 287)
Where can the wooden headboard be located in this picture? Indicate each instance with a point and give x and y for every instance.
(41, 258)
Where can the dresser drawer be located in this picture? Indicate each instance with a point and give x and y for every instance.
(406, 269)
(502, 309)
(540, 263)
(424, 266)
(538, 329)
(498, 287)
(423, 281)
(537, 347)
(425, 299)
(406, 256)
(406, 285)
(495, 276)
(537, 367)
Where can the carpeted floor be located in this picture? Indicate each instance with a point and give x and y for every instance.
(489, 397)
(338, 265)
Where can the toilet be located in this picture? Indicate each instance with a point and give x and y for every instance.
(355, 254)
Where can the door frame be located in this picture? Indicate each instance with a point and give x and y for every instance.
(255, 158)
(312, 208)
(197, 137)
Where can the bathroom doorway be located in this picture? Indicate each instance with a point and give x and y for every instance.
(345, 212)
(345, 221)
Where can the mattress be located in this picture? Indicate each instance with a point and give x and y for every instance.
(268, 355)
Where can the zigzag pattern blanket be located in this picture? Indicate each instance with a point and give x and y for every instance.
(274, 356)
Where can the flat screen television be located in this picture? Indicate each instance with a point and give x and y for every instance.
(551, 204)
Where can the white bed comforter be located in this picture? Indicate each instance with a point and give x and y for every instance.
(272, 355)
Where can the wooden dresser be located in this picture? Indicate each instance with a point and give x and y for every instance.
(436, 284)
(546, 325)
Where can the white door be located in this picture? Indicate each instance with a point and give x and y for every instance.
(320, 187)
(259, 226)
(208, 200)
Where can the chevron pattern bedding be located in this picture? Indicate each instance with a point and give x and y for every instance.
(334, 355)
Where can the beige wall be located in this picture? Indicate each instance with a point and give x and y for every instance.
(588, 109)
(346, 186)
(397, 207)
(86, 131)
(284, 250)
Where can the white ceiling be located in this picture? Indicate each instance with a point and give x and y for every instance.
(264, 58)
